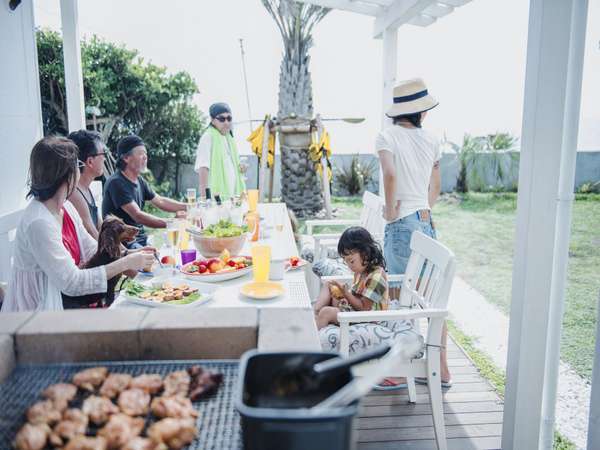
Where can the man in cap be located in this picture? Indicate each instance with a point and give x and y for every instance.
(217, 158)
(126, 192)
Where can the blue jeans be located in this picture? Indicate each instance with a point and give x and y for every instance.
(396, 242)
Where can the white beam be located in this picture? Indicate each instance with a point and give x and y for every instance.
(20, 104)
(399, 13)
(72, 60)
(563, 219)
(455, 2)
(594, 423)
(346, 5)
(422, 20)
(438, 10)
(389, 57)
(549, 134)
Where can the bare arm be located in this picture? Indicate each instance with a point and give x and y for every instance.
(81, 206)
(358, 302)
(203, 179)
(129, 263)
(142, 217)
(435, 184)
(167, 204)
(388, 168)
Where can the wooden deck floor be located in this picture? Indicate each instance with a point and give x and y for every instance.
(473, 413)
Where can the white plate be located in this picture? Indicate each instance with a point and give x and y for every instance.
(206, 290)
(216, 277)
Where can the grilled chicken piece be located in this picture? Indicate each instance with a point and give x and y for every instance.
(176, 407)
(60, 394)
(73, 423)
(90, 379)
(115, 384)
(99, 409)
(151, 383)
(134, 402)
(121, 429)
(204, 382)
(43, 413)
(140, 443)
(177, 383)
(86, 443)
(174, 433)
(32, 437)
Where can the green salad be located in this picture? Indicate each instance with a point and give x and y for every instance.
(224, 228)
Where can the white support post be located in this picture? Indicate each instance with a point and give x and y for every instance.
(593, 438)
(390, 68)
(72, 59)
(20, 104)
(324, 178)
(548, 151)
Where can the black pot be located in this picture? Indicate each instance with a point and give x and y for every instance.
(276, 417)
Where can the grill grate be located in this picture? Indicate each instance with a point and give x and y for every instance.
(218, 422)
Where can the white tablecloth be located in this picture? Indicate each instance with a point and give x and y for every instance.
(282, 245)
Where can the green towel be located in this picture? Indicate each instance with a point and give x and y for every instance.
(217, 178)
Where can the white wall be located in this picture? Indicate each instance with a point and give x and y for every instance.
(20, 107)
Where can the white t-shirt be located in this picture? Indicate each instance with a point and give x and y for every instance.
(203, 156)
(415, 152)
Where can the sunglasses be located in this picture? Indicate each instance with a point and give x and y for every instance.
(222, 119)
(98, 154)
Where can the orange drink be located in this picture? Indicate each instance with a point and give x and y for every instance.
(252, 199)
(253, 220)
(261, 260)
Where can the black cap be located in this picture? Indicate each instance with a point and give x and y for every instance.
(218, 108)
(127, 144)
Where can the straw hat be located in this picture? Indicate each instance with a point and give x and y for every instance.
(411, 97)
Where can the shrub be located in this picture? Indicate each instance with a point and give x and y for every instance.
(354, 178)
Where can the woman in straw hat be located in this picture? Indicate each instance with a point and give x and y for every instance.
(409, 157)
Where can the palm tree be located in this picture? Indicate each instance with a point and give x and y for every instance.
(300, 186)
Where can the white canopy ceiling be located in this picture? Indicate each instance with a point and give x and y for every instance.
(394, 13)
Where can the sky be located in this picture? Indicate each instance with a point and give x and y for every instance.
(472, 60)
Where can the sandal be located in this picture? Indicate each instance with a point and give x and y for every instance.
(389, 385)
(421, 380)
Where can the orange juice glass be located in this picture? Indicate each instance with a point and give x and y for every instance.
(252, 199)
(253, 220)
(261, 260)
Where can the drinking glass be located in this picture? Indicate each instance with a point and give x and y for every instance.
(191, 196)
(261, 260)
(252, 199)
(173, 236)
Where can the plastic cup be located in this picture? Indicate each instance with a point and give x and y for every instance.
(188, 255)
(261, 260)
(252, 199)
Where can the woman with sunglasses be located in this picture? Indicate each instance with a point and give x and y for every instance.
(92, 152)
(217, 158)
(51, 243)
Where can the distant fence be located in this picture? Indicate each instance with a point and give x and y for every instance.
(587, 170)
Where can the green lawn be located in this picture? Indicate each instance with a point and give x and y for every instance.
(479, 228)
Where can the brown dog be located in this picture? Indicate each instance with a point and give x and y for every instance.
(112, 233)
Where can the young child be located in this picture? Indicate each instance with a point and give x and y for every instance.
(370, 287)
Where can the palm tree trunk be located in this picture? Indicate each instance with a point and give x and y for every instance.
(300, 186)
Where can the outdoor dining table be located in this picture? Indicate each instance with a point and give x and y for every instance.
(282, 243)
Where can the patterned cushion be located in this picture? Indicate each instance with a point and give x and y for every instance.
(364, 336)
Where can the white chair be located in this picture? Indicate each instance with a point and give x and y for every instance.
(8, 227)
(424, 295)
(370, 218)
